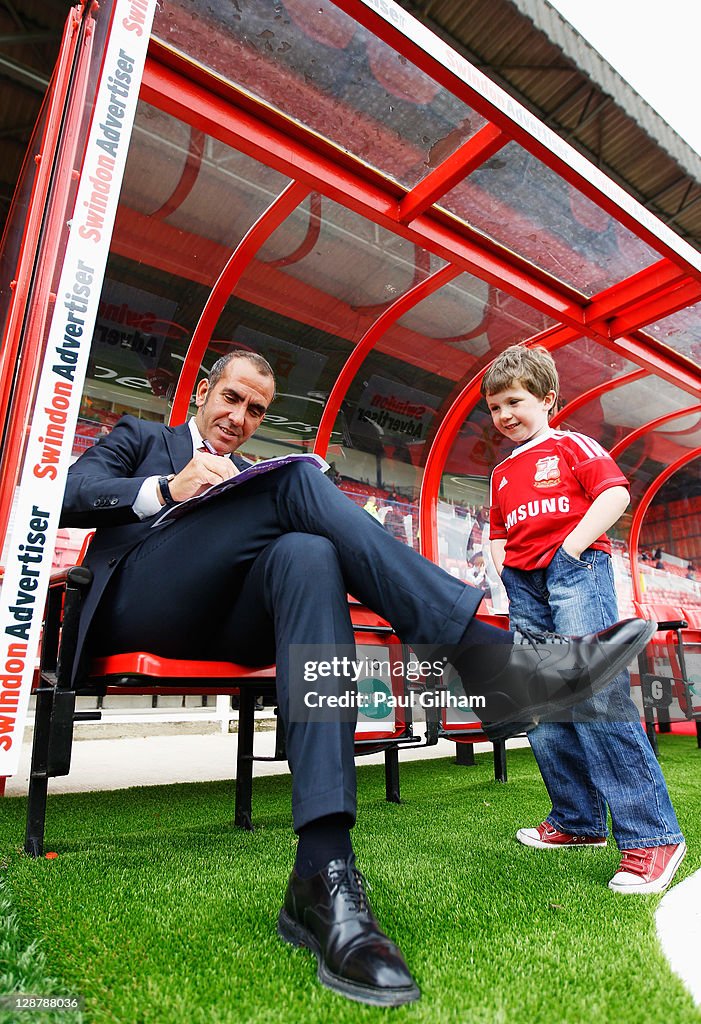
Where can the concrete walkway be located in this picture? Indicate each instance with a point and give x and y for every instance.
(154, 760)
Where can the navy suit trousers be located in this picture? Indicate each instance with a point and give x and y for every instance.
(266, 566)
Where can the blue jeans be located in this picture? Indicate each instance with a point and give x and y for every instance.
(602, 756)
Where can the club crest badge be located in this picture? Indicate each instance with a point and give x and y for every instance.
(547, 472)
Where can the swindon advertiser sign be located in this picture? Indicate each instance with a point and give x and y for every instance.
(29, 553)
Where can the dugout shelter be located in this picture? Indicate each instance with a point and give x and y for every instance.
(328, 183)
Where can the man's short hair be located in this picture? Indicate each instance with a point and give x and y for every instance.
(530, 368)
(261, 364)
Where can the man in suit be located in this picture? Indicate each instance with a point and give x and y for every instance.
(265, 567)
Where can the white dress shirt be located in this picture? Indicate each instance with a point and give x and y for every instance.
(147, 500)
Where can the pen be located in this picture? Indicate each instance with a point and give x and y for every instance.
(210, 448)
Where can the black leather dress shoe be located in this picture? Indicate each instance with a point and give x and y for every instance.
(329, 913)
(546, 674)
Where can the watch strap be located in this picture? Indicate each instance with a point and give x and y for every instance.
(164, 488)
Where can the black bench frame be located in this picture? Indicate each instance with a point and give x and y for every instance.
(56, 713)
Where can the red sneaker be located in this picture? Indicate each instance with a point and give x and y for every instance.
(648, 870)
(547, 837)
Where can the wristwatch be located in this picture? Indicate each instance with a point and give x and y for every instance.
(164, 488)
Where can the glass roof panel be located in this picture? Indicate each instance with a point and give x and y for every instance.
(518, 201)
(681, 331)
(318, 66)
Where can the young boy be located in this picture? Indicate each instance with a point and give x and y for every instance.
(551, 502)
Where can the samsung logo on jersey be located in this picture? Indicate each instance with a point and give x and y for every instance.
(537, 508)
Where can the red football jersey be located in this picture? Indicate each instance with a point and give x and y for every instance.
(540, 493)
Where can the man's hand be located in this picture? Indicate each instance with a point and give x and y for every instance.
(201, 472)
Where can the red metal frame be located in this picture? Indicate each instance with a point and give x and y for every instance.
(288, 200)
(656, 308)
(643, 505)
(192, 103)
(650, 281)
(273, 118)
(169, 88)
(473, 153)
(613, 317)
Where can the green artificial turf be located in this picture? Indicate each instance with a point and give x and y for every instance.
(158, 910)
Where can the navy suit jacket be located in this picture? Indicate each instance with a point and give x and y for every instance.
(101, 490)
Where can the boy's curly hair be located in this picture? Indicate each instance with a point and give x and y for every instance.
(532, 368)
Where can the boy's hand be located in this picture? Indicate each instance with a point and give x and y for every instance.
(603, 512)
(569, 551)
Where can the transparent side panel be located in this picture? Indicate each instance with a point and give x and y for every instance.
(170, 244)
(582, 365)
(612, 416)
(670, 539)
(520, 202)
(316, 287)
(669, 559)
(318, 66)
(470, 323)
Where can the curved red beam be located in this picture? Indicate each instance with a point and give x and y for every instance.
(188, 177)
(647, 427)
(447, 431)
(592, 393)
(368, 340)
(309, 240)
(639, 514)
(279, 209)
